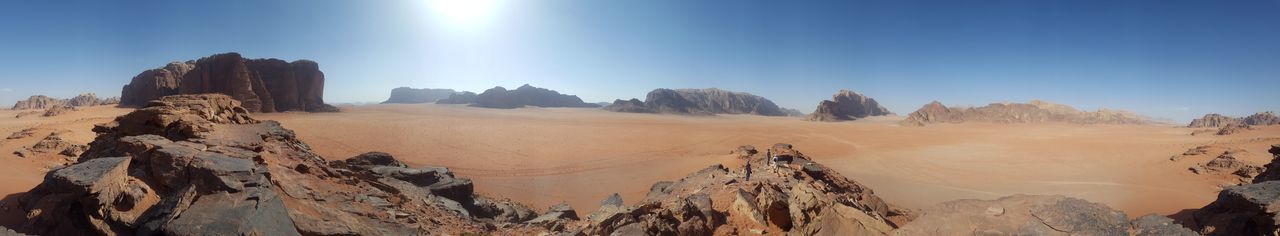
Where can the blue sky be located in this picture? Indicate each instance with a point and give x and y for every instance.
(1173, 59)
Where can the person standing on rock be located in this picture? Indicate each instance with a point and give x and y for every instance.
(746, 171)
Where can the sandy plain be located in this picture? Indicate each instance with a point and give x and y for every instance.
(545, 156)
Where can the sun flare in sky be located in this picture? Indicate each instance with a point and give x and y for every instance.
(463, 14)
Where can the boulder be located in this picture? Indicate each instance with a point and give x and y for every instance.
(1241, 210)
(1271, 171)
(847, 105)
(407, 95)
(698, 102)
(261, 85)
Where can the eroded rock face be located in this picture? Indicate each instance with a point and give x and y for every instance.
(199, 165)
(407, 95)
(1035, 215)
(1262, 118)
(1213, 121)
(803, 198)
(698, 102)
(1218, 120)
(261, 85)
(847, 105)
(40, 102)
(499, 97)
(1033, 112)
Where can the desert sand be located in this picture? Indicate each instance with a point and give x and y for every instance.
(544, 156)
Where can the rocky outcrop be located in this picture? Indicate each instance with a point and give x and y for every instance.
(407, 95)
(1262, 118)
(525, 95)
(1218, 120)
(1226, 164)
(51, 144)
(847, 105)
(39, 102)
(792, 112)
(698, 102)
(803, 198)
(1033, 112)
(1036, 215)
(1241, 210)
(1271, 170)
(90, 99)
(155, 83)
(261, 85)
(199, 165)
(459, 98)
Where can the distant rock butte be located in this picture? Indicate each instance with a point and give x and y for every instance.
(698, 102)
(1033, 112)
(55, 105)
(459, 98)
(1215, 120)
(262, 85)
(847, 105)
(407, 95)
(526, 95)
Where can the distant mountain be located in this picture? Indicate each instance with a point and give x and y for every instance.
(407, 95)
(698, 101)
(1218, 120)
(1033, 112)
(261, 85)
(42, 102)
(526, 95)
(847, 105)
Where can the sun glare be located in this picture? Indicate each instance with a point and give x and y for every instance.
(464, 14)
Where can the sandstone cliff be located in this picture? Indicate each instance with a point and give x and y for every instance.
(262, 85)
(699, 102)
(847, 105)
(1033, 112)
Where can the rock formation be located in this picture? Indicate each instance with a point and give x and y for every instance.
(459, 98)
(804, 199)
(1035, 215)
(409, 95)
(1218, 120)
(847, 105)
(199, 165)
(262, 85)
(52, 144)
(499, 97)
(1033, 112)
(39, 102)
(792, 112)
(1250, 209)
(90, 99)
(698, 102)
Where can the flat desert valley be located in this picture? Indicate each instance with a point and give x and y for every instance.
(545, 156)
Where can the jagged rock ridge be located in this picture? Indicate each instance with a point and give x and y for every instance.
(698, 102)
(525, 95)
(847, 105)
(262, 85)
(42, 102)
(1033, 112)
(1215, 120)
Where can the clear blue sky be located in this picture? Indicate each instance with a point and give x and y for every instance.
(1173, 59)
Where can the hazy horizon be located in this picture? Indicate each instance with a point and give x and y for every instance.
(1170, 59)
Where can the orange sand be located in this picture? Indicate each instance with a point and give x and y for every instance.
(543, 156)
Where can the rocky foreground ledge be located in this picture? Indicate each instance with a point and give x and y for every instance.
(200, 165)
